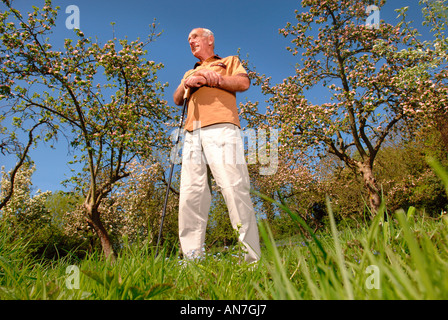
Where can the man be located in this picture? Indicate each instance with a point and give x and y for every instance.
(213, 144)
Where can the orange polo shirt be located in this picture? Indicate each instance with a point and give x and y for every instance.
(213, 105)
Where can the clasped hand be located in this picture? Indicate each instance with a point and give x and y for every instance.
(202, 78)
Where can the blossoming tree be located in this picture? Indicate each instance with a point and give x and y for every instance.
(104, 98)
(368, 74)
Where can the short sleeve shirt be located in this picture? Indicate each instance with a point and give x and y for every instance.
(208, 105)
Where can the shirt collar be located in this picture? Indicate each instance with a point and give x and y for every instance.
(212, 58)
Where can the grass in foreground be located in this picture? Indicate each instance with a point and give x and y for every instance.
(398, 259)
(402, 257)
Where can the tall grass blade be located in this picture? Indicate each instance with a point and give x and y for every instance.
(439, 170)
(417, 256)
(286, 289)
(339, 253)
(299, 221)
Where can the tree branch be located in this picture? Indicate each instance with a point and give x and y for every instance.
(22, 158)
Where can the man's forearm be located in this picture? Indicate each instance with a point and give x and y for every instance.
(179, 94)
(237, 83)
(234, 83)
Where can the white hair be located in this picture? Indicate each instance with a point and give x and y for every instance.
(207, 32)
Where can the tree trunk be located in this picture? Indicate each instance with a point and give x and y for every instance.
(442, 127)
(371, 185)
(94, 220)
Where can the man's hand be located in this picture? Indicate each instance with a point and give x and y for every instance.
(213, 78)
(190, 82)
(195, 82)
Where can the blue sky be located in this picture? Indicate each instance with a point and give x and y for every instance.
(250, 25)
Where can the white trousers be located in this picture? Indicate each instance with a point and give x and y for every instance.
(219, 147)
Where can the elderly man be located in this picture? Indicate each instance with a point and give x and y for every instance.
(213, 145)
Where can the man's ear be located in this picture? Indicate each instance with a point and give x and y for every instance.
(211, 40)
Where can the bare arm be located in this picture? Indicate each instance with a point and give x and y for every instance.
(236, 83)
(178, 94)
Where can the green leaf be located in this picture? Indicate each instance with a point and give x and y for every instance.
(105, 280)
(157, 289)
(439, 170)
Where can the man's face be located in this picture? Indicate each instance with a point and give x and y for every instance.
(201, 46)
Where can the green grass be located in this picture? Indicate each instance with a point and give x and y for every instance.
(402, 256)
(409, 258)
